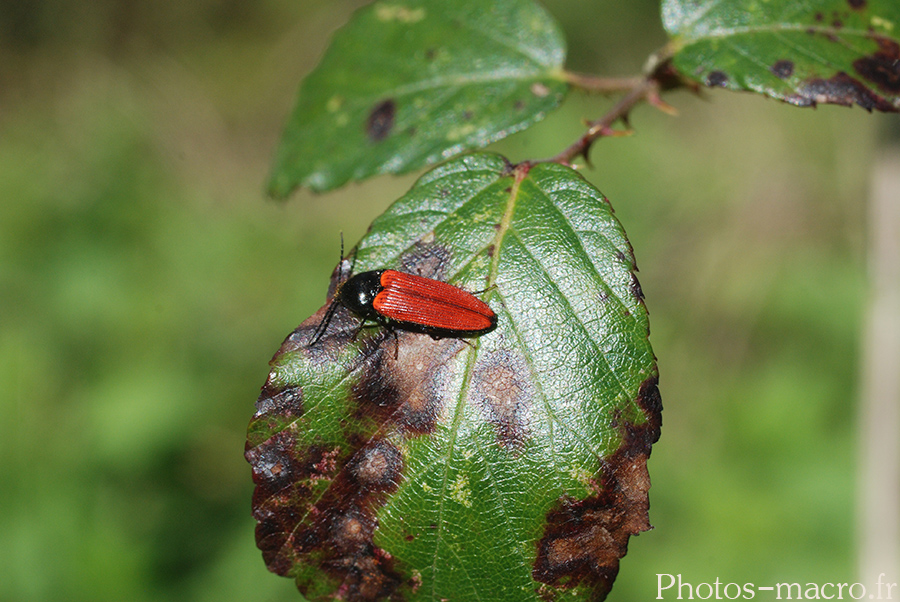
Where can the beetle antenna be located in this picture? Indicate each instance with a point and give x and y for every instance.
(323, 325)
(332, 307)
(341, 261)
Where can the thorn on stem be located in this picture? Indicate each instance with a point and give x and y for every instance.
(654, 99)
(611, 133)
(641, 89)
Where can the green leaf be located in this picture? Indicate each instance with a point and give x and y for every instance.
(817, 51)
(511, 466)
(411, 83)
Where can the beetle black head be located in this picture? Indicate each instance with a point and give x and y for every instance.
(358, 293)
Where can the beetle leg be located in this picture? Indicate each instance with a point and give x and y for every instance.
(362, 324)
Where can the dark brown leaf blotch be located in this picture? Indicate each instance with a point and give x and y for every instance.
(883, 67)
(585, 539)
(277, 405)
(844, 90)
(316, 511)
(428, 260)
(381, 120)
(716, 79)
(317, 504)
(402, 389)
(782, 69)
(636, 289)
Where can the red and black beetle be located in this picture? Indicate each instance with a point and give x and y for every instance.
(409, 302)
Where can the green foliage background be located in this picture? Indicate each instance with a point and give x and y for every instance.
(145, 281)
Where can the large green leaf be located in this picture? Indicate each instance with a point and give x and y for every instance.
(406, 84)
(815, 51)
(504, 468)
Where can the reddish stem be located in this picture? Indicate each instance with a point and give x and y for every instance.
(638, 89)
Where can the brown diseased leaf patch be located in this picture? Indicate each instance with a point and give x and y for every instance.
(428, 260)
(844, 90)
(782, 69)
(405, 386)
(504, 395)
(584, 539)
(277, 406)
(717, 79)
(883, 67)
(636, 289)
(879, 71)
(381, 120)
(316, 505)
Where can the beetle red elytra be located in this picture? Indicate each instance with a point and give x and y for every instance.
(409, 302)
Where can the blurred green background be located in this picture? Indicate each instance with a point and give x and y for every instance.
(145, 281)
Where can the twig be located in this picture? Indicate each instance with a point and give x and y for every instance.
(640, 89)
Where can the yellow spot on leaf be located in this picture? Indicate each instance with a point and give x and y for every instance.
(459, 491)
(394, 12)
(334, 103)
(882, 23)
(580, 474)
(460, 131)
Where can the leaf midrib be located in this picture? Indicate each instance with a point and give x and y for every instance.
(805, 28)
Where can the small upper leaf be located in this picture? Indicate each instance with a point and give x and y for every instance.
(509, 469)
(408, 83)
(817, 51)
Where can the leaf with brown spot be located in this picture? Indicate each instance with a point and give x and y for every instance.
(408, 84)
(510, 467)
(825, 51)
